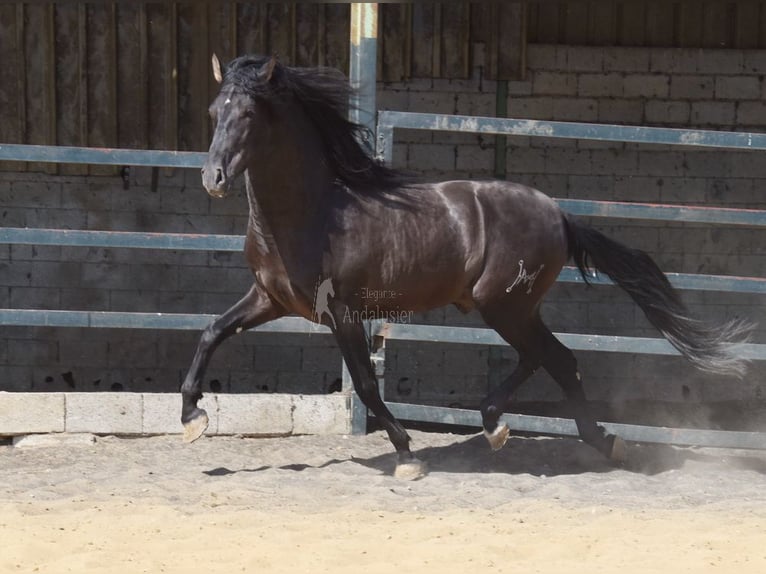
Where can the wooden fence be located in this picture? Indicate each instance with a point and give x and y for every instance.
(137, 74)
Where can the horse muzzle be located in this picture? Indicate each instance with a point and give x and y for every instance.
(215, 181)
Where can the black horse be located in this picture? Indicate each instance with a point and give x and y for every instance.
(326, 217)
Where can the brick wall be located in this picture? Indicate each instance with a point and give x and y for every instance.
(709, 89)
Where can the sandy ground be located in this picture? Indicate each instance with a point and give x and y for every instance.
(330, 504)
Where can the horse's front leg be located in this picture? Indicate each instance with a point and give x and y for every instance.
(353, 345)
(252, 310)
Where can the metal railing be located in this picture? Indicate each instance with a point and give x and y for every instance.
(386, 123)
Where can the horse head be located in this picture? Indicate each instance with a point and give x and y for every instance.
(239, 119)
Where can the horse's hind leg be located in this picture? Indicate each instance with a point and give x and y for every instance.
(518, 335)
(493, 406)
(537, 346)
(353, 345)
(255, 308)
(561, 364)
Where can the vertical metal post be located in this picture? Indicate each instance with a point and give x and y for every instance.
(363, 76)
(356, 410)
(363, 67)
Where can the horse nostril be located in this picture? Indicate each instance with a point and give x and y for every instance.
(218, 176)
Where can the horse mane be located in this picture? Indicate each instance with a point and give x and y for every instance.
(324, 95)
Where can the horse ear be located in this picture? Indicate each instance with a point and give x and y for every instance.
(217, 69)
(267, 70)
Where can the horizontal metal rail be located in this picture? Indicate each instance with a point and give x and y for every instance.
(567, 427)
(575, 341)
(390, 331)
(388, 120)
(182, 241)
(657, 212)
(685, 281)
(126, 239)
(101, 156)
(132, 320)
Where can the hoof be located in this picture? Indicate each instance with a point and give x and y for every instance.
(411, 470)
(194, 428)
(498, 437)
(619, 450)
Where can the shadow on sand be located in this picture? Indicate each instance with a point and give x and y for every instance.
(539, 457)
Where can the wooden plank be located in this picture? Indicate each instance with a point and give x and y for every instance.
(747, 25)
(321, 35)
(171, 77)
(716, 29)
(193, 73)
(659, 24)
(423, 40)
(281, 28)
(37, 51)
(21, 82)
(143, 64)
(11, 97)
(762, 28)
(549, 23)
(131, 76)
(101, 72)
(576, 30)
(337, 29)
(454, 39)
(68, 85)
(50, 80)
(436, 55)
(395, 34)
(233, 29)
(533, 14)
(731, 24)
(307, 34)
(631, 22)
(481, 22)
(162, 92)
(689, 25)
(82, 71)
(251, 28)
(508, 46)
(602, 24)
(222, 34)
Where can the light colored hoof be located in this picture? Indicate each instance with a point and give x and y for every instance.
(498, 437)
(412, 470)
(619, 450)
(195, 427)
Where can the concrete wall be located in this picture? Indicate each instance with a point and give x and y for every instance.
(157, 413)
(717, 89)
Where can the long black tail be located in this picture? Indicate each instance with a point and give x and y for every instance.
(711, 348)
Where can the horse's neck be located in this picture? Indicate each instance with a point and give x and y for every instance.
(287, 208)
(285, 201)
(289, 182)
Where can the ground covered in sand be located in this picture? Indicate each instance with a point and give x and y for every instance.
(330, 504)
